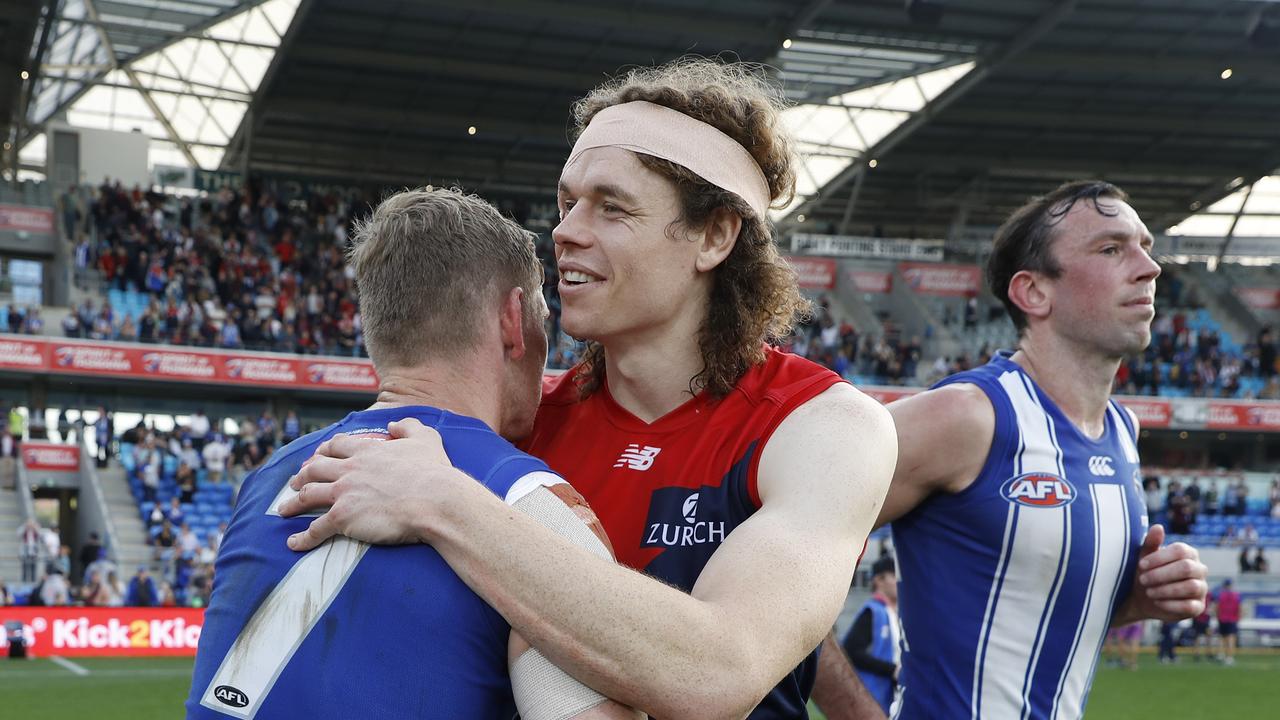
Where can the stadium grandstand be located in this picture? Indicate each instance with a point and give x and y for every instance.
(180, 179)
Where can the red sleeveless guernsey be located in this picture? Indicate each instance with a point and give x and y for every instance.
(669, 492)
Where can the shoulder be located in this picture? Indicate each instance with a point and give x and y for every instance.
(957, 408)
(782, 377)
(552, 502)
(944, 436)
(834, 435)
(837, 405)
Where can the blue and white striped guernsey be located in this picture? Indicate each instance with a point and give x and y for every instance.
(1008, 587)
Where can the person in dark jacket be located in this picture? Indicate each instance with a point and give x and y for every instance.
(872, 642)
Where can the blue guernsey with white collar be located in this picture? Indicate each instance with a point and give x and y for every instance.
(352, 630)
(1007, 588)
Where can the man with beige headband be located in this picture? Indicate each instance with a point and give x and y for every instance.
(744, 479)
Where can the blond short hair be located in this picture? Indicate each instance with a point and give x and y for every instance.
(429, 264)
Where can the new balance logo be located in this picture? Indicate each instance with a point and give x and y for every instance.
(1100, 465)
(636, 457)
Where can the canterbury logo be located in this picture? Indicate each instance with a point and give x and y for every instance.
(636, 457)
(1100, 465)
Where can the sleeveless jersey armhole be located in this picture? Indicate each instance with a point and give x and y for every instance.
(1123, 413)
(1004, 436)
(785, 406)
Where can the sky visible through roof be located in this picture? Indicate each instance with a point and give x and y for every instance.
(200, 85)
(833, 135)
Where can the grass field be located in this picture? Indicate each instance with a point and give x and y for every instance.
(155, 688)
(1185, 691)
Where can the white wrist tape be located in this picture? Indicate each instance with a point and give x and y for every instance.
(545, 692)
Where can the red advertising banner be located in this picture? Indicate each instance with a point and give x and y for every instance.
(940, 279)
(814, 273)
(1151, 412)
(21, 218)
(93, 631)
(1255, 416)
(23, 353)
(193, 365)
(871, 281)
(1260, 298)
(50, 456)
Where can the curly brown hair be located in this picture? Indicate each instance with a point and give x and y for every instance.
(754, 295)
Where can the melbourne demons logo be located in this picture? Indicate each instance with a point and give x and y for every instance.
(151, 362)
(1038, 490)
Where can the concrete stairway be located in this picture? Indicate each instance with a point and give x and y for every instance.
(130, 545)
(10, 520)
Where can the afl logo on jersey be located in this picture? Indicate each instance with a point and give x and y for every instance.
(1038, 490)
(228, 695)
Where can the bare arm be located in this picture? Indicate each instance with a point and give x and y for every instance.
(837, 691)
(944, 436)
(1170, 582)
(822, 478)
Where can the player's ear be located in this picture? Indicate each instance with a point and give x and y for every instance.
(511, 323)
(718, 239)
(1030, 292)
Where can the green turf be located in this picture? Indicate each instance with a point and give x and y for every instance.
(1188, 690)
(154, 689)
(1185, 691)
(114, 689)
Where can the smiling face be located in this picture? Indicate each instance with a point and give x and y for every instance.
(621, 270)
(1103, 298)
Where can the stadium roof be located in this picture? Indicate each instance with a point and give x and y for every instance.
(1127, 90)
(965, 107)
(182, 71)
(18, 19)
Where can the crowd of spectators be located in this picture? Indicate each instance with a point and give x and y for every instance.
(22, 320)
(246, 269)
(888, 358)
(52, 575)
(236, 269)
(199, 452)
(1194, 360)
(180, 570)
(239, 269)
(1181, 506)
